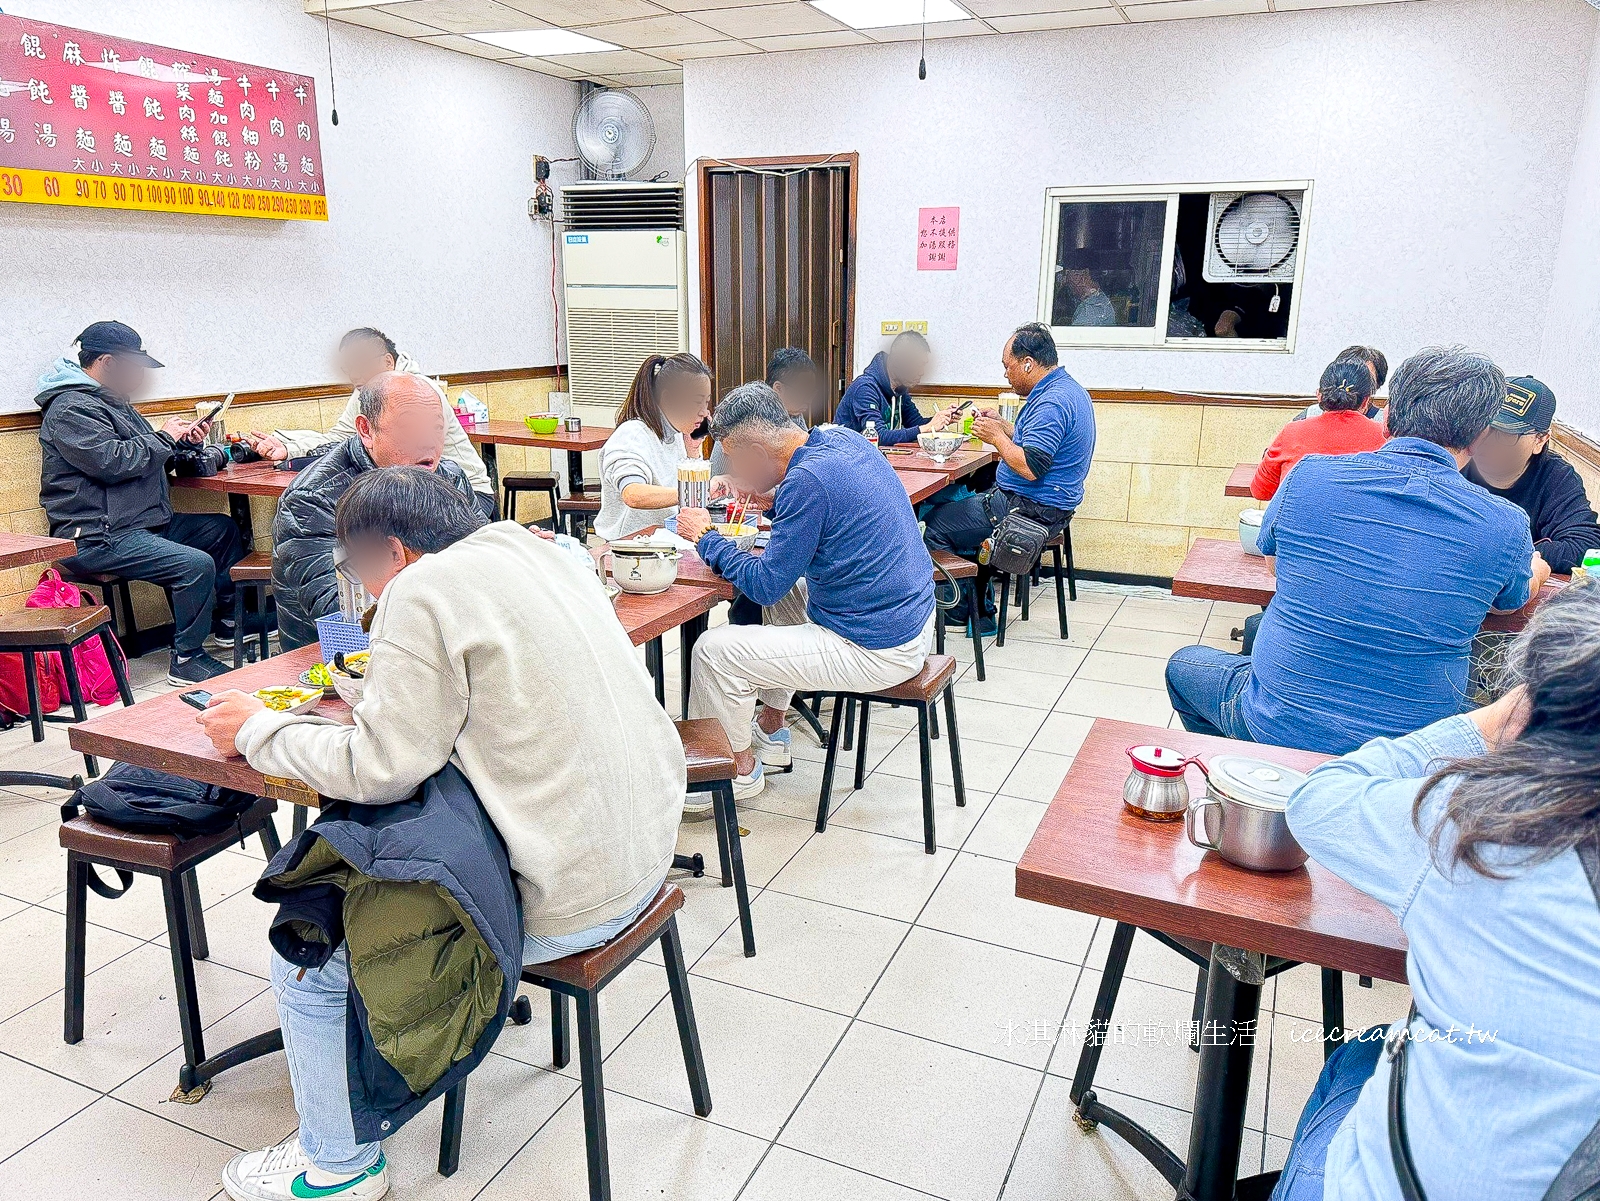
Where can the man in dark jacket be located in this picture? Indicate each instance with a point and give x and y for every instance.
(104, 484)
(1513, 460)
(400, 425)
(882, 393)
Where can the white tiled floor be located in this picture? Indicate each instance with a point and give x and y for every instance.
(908, 1029)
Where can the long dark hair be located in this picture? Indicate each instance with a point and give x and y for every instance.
(1539, 793)
(642, 403)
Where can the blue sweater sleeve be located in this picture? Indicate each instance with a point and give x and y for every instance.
(857, 406)
(796, 533)
(1353, 815)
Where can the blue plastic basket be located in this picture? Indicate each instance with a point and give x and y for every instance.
(335, 634)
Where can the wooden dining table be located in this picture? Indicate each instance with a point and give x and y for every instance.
(958, 466)
(1091, 854)
(1219, 569)
(1239, 480)
(486, 435)
(241, 481)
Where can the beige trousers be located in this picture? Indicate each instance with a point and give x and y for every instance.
(736, 665)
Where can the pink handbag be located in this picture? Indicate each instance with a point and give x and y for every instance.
(94, 669)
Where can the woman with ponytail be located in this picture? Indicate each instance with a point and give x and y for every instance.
(660, 424)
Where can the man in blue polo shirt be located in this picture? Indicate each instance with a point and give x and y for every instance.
(1387, 564)
(848, 607)
(882, 393)
(1044, 458)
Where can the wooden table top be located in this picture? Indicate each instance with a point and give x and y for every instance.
(1219, 569)
(1239, 482)
(921, 484)
(1090, 854)
(24, 550)
(962, 463)
(514, 433)
(241, 479)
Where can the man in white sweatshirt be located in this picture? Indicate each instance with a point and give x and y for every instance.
(365, 354)
(495, 650)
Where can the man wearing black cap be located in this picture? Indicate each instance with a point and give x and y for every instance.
(1514, 460)
(104, 484)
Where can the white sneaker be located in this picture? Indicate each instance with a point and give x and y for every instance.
(698, 807)
(771, 749)
(286, 1173)
(745, 787)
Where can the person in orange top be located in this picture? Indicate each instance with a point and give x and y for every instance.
(1342, 429)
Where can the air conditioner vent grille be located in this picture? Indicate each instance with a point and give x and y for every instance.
(606, 346)
(622, 206)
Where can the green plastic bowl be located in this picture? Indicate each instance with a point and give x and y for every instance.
(541, 423)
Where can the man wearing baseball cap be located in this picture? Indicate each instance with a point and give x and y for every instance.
(1513, 459)
(104, 484)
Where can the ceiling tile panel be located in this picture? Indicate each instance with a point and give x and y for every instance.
(376, 18)
(463, 16)
(1032, 22)
(665, 29)
(812, 41)
(611, 62)
(769, 20)
(722, 49)
(936, 29)
(1177, 9)
(572, 13)
(1017, 8)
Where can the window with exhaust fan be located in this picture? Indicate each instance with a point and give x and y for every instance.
(1196, 267)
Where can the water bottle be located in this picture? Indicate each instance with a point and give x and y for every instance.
(872, 432)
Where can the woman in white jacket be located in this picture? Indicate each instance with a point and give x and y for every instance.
(656, 430)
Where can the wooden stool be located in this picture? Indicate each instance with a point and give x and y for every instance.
(117, 594)
(948, 563)
(582, 976)
(1064, 582)
(172, 860)
(254, 572)
(921, 692)
(709, 760)
(579, 510)
(42, 631)
(546, 482)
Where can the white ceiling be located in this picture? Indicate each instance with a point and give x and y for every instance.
(656, 36)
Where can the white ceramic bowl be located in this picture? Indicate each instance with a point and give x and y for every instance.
(1249, 528)
(940, 446)
(744, 539)
(348, 687)
(642, 568)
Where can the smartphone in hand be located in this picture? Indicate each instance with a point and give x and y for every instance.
(199, 698)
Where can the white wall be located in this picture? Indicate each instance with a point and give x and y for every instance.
(1570, 363)
(665, 102)
(428, 176)
(1440, 136)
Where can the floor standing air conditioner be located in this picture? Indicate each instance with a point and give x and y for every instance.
(627, 291)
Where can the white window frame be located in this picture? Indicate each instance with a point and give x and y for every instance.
(1155, 337)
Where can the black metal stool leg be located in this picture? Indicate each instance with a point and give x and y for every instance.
(560, 1030)
(238, 625)
(861, 745)
(69, 668)
(1105, 1002)
(194, 1048)
(455, 1110)
(77, 932)
(957, 776)
(975, 628)
(723, 798)
(594, 1099)
(826, 799)
(1005, 599)
(849, 723)
(261, 611)
(683, 1010)
(30, 677)
(197, 917)
(297, 824)
(119, 669)
(1061, 590)
(925, 751)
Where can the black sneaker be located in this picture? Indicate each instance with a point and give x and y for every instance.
(223, 633)
(196, 669)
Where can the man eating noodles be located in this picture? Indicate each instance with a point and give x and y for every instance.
(492, 649)
(846, 608)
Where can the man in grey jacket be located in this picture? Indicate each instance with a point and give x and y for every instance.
(400, 425)
(495, 650)
(104, 484)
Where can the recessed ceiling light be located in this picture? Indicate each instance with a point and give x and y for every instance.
(876, 14)
(544, 42)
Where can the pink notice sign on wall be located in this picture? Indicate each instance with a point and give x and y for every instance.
(938, 238)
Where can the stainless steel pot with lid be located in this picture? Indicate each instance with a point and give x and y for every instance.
(1244, 814)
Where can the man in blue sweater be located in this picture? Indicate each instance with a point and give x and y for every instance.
(882, 393)
(848, 607)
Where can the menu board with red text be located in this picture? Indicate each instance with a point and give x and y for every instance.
(102, 122)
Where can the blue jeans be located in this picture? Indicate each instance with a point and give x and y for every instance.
(1206, 687)
(191, 556)
(311, 1010)
(1344, 1075)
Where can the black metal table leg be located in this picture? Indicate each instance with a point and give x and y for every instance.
(1227, 1046)
(655, 664)
(491, 464)
(239, 509)
(574, 473)
(689, 634)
